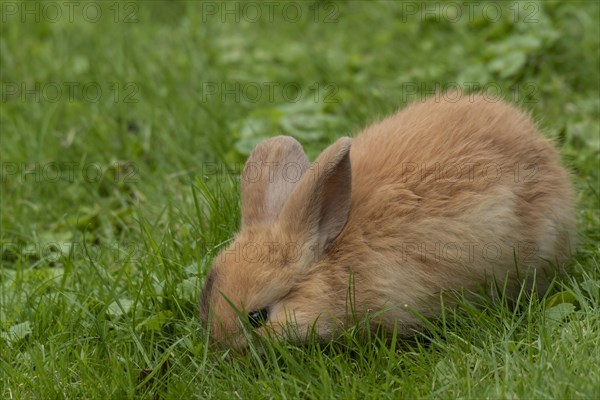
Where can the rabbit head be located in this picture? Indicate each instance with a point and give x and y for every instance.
(269, 279)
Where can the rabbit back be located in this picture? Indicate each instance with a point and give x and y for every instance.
(450, 196)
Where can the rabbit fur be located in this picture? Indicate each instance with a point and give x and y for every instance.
(442, 196)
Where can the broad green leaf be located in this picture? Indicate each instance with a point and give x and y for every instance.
(119, 307)
(17, 332)
(156, 321)
(188, 288)
(559, 312)
(508, 64)
(560, 298)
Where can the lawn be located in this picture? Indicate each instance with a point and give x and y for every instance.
(124, 126)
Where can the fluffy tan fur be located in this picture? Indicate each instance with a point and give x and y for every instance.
(442, 196)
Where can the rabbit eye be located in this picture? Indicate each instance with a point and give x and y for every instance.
(258, 318)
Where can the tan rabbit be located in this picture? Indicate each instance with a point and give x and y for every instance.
(442, 196)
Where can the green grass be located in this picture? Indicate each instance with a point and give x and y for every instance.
(114, 203)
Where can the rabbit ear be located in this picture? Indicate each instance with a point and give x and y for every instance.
(272, 171)
(318, 208)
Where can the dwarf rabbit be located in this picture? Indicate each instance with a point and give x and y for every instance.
(445, 195)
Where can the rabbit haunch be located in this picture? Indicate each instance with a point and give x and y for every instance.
(441, 196)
